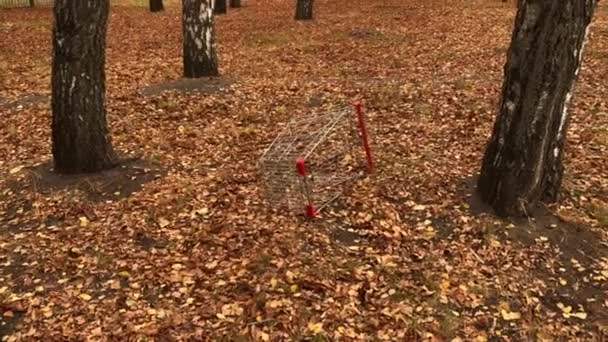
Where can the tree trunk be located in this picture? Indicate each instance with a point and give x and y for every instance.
(156, 5)
(220, 7)
(200, 56)
(522, 164)
(32, 3)
(304, 9)
(79, 131)
(235, 3)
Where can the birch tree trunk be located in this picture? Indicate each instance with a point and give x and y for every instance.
(79, 131)
(522, 165)
(304, 9)
(200, 56)
(156, 5)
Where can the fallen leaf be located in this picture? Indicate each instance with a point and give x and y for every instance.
(315, 328)
(509, 315)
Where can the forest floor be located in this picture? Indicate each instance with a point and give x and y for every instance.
(178, 243)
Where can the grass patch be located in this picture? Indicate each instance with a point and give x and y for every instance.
(600, 212)
(275, 39)
(449, 324)
(261, 264)
(599, 55)
(601, 136)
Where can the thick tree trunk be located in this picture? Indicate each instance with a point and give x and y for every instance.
(235, 3)
(220, 7)
(304, 9)
(80, 135)
(200, 56)
(156, 5)
(523, 161)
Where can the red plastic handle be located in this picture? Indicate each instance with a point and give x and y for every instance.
(301, 166)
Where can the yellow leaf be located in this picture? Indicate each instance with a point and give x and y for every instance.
(85, 296)
(315, 328)
(290, 276)
(509, 316)
(124, 274)
(48, 314)
(231, 310)
(263, 336)
(203, 211)
(581, 315)
(15, 170)
(293, 288)
(83, 221)
(445, 284)
(481, 338)
(565, 309)
(563, 281)
(273, 282)
(163, 222)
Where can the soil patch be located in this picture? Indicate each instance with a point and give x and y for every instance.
(127, 177)
(580, 251)
(204, 85)
(24, 101)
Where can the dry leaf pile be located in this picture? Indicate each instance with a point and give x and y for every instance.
(179, 243)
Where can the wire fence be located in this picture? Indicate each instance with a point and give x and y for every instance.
(24, 3)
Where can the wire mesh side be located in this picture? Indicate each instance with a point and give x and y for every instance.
(328, 143)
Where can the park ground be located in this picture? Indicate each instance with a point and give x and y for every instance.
(178, 244)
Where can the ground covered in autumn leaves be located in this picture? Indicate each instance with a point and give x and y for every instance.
(179, 245)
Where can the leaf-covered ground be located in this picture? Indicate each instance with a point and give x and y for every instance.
(179, 245)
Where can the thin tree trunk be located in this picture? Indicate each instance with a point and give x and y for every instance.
(79, 131)
(32, 3)
(156, 5)
(304, 9)
(220, 7)
(522, 164)
(235, 3)
(200, 56)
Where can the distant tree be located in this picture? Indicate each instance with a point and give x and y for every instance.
(32, 3)
(522, 165)
(79, 131)
(235, 3)
(200, 56)
(220, 7)
(304, 9)
(156, 5)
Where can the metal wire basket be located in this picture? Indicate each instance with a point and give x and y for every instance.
(314, 158)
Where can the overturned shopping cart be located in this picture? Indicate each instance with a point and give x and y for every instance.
(312, 161)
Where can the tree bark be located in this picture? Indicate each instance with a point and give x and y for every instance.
(32, 3)
(156, 5)
(235, 3)
(220, 7)
(200, 56)
(522, 165)
(80, 138)
(304, 9)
